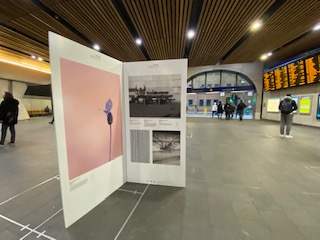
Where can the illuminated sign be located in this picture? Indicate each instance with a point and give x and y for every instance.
(305, 105)
(297, 73)
(273, 105)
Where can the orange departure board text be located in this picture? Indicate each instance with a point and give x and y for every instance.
(297, 73)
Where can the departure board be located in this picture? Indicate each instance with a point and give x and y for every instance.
(297, 73)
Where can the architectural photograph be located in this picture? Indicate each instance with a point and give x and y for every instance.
(155, 96)
(166, 147)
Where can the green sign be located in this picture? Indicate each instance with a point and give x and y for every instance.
(305, 105)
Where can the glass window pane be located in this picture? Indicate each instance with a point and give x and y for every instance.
(208, 103)
(228, 79)
(242, 81)
(201, 103)
(213, 79)
(199, 81)
(190, 102)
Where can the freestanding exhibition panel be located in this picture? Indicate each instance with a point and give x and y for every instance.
(155, 100)
(86, 88)
(92, 122)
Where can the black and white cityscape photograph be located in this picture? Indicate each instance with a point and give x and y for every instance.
(155, 95)
(166, 147)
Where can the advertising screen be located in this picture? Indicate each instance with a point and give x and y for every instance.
(273, 105)
(318, 107)
(305, 105)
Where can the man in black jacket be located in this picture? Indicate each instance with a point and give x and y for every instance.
(286, 107)
(9, 117)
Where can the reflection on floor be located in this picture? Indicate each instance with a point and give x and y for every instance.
(209, 115)
(243, 182)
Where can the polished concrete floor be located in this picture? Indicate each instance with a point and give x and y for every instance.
(243, 182)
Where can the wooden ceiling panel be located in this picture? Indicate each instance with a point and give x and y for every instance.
(100, 22)
(293, 19)
(37, 25)
(307, 43)
(162, 25)
(11, 9)
(13, 40)
(222, 23)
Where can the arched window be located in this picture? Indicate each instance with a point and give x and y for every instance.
(218, 78)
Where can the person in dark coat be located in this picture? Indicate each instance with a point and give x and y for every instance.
(220, 110)
(9, 117)
(240, 109)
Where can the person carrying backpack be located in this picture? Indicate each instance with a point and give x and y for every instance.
(286, 107)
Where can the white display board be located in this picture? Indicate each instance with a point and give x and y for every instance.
(86, 88)
(273, 105)
(155, 100)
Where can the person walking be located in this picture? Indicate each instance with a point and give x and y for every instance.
(240, 109)
(220, 109)
(214, 108)
(9, 117)
(286, 107)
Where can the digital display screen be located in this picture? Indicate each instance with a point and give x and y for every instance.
(305, 105)
(273, 105)
(297, 73)
(318, 107)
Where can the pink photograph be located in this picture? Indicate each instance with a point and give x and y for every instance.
(92, 116)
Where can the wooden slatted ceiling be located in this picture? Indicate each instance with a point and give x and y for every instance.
(100, 22)
(37, 25)
(222, 23)
(162, 25)
(11, 9)
(292, 20)
(11, 39)
(307, 43)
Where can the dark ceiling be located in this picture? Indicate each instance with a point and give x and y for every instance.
(222, 28)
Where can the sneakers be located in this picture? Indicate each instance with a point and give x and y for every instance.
(11, 143)
(289, 136)
(281, 135)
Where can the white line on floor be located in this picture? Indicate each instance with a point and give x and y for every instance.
(42, 224)
(193, 179)
(310, 169)
(253, 187)
(8, 200)
(269, 137)
(311, 193)
(26, 227)
(190, 136)
(125, 190)
(131, 213)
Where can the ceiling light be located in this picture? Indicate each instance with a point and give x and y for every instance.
(316, 27)
(138, 41)
(256, 26)
(191, 34)
(40, 58)
(96, 47)
(269, 54)
(33, 56)
(23, 65)
(264, 57)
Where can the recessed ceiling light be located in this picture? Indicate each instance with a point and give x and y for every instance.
(269, 54)
(256, 26)
(138, 41)
(191, 33)
(316, 27)
(40, 58)
(264, 57)
(33, 56)
(96, 47)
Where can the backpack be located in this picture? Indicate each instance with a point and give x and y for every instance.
(286, 106)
